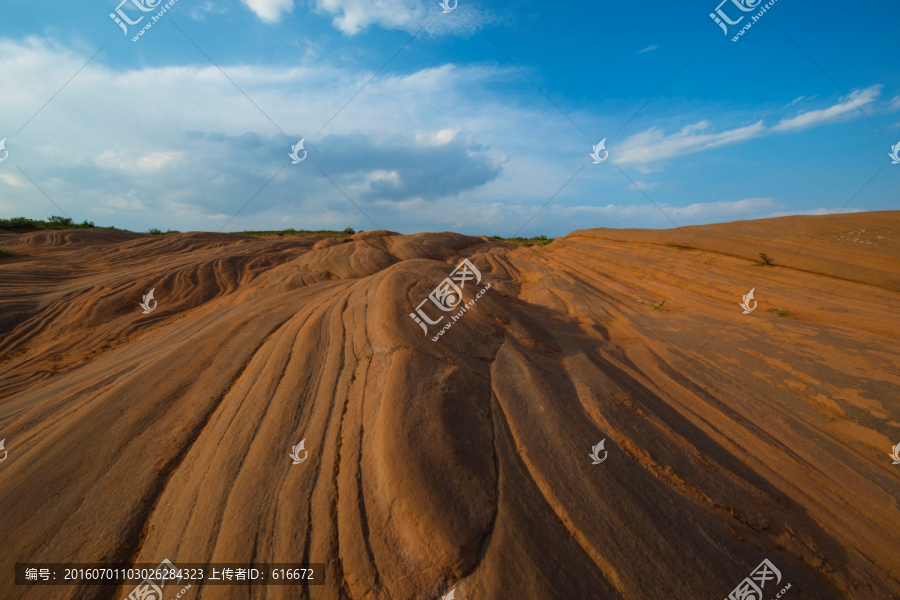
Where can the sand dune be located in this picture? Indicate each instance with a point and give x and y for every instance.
(460, 463)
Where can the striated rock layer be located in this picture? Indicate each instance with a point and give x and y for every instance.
(461, 463)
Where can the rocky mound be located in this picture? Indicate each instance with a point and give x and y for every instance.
(457, 457)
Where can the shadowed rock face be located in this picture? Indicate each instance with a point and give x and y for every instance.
(464, 462)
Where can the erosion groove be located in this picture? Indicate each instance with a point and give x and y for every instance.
(458, 463)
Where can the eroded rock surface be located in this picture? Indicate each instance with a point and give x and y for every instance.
(463, 462)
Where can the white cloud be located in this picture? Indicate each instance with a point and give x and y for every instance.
(715, 210)
(111, 159)
(703, 212)
(353, 16)
(200, 10)
(800, 99)
(439, 138)
(391, 177)
(10, 179)
(197, 150)
(157, 160)
(126, 160)
(194, 146)
(812, 118)
(654, 146)
(649, 48)
(365, 182)
(661, 215)
(650, 215)
(643, 186)
(812, 211)
(270, 11)
(130, 201)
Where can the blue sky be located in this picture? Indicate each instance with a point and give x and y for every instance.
(454, 132)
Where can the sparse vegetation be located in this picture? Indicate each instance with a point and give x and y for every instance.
(779, 312)
(54, 222)
(57, 220)
(540, 240)
(766, 259)
(24, 224)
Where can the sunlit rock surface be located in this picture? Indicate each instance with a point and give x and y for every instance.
(461, 463)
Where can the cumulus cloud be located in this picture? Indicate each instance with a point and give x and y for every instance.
(438, 138)
(198, 149)
(392, 169)
(11, 179)
(127, 160)
(353, 16)
(270, 11)
(398, 169)
(180, 147)
(129, 200)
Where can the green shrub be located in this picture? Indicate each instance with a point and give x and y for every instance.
(57, 220)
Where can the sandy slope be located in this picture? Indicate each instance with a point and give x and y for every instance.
(462, 462)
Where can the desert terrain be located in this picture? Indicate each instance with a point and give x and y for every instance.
(460, 464)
